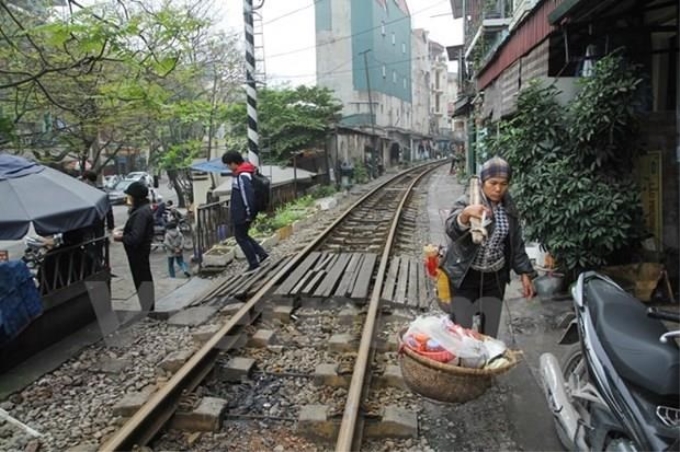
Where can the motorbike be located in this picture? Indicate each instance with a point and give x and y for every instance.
(183, 225)
(617, 386)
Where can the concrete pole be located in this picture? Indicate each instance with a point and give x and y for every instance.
(251, 87)
(370, 105)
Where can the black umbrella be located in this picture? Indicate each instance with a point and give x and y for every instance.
(53, 201)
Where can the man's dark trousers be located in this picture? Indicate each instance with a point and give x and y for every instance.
(251, 249)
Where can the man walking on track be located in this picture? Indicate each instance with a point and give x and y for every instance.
(244, 207)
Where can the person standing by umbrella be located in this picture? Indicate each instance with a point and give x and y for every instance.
(137, 237)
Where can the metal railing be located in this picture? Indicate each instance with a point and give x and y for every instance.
(213, 220)
(213, 225)
(63, 267)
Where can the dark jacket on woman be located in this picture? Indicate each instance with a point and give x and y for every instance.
(462, 250)
(138, 232)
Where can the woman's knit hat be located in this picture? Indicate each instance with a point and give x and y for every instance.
(495, 167)
(137, 190)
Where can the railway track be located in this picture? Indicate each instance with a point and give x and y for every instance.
(353, 260)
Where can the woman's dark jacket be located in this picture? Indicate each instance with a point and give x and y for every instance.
(461, 250)
(138, 232)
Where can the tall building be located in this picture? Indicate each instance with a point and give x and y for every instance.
(420, 85)
(362, 43)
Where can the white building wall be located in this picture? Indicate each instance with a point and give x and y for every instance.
(420, 83)
(334, 59)
(438, 89)
(451, 96)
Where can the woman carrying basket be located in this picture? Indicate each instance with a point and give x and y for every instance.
(478, 273)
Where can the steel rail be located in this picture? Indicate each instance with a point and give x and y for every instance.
(350, 417)
(143, 426)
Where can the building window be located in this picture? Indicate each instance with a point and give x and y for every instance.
(382, 28)
(394, 76)
(404, 82)
(394, 39)
(403, 48)
(384, 69)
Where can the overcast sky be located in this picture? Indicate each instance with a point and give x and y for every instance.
(296, 31)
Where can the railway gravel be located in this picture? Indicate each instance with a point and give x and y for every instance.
(73, 405)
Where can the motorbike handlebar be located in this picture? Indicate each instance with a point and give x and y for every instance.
(661, 314)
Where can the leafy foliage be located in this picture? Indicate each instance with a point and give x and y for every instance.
(117, 77)
(289, 119)
(603, 116)
(91, 76)
(571, 182)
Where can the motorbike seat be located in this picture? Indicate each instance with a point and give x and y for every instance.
(631, 339)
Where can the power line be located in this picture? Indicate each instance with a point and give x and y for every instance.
(290, 13)
(350, 70)
(342, 38)
(282, 16)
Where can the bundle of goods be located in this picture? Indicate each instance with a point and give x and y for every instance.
(444, 361)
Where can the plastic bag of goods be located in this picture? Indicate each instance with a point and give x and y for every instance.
(468, 348)
(429, 348)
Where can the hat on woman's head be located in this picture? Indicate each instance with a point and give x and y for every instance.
(495, 167)
(137, 190)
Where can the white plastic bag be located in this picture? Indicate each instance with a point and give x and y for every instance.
(470, 350)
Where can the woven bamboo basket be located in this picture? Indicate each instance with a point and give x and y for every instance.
(445, 382)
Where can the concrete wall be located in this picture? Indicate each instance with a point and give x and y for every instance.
(420, 83)
(334, 57)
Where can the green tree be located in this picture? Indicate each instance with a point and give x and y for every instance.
(289, 119)
(94, 71)
(208, 78)
(572, 171)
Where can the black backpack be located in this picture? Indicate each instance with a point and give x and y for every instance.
(262, 189)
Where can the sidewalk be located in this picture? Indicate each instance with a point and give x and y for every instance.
(123, 295)
(528, 325)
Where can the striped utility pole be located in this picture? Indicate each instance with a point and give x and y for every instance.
(251, 87)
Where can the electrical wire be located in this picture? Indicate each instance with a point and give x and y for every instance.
(350, 70)
(290, 13)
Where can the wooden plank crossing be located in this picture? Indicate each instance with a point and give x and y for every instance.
(407, 284)
(240, 288)
(327, 275)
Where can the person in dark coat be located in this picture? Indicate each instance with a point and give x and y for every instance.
(242, 207)
(478, 274)
(137, 237)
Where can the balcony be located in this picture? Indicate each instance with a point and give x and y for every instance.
(520, 9)
(490, 27)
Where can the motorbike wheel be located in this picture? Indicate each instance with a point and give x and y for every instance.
(571, 359)
(188, 240)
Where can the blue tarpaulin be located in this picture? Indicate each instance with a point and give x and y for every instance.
(212, 166)
(20, 300)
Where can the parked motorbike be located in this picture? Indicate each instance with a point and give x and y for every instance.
(617, 387)
(183, 225)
